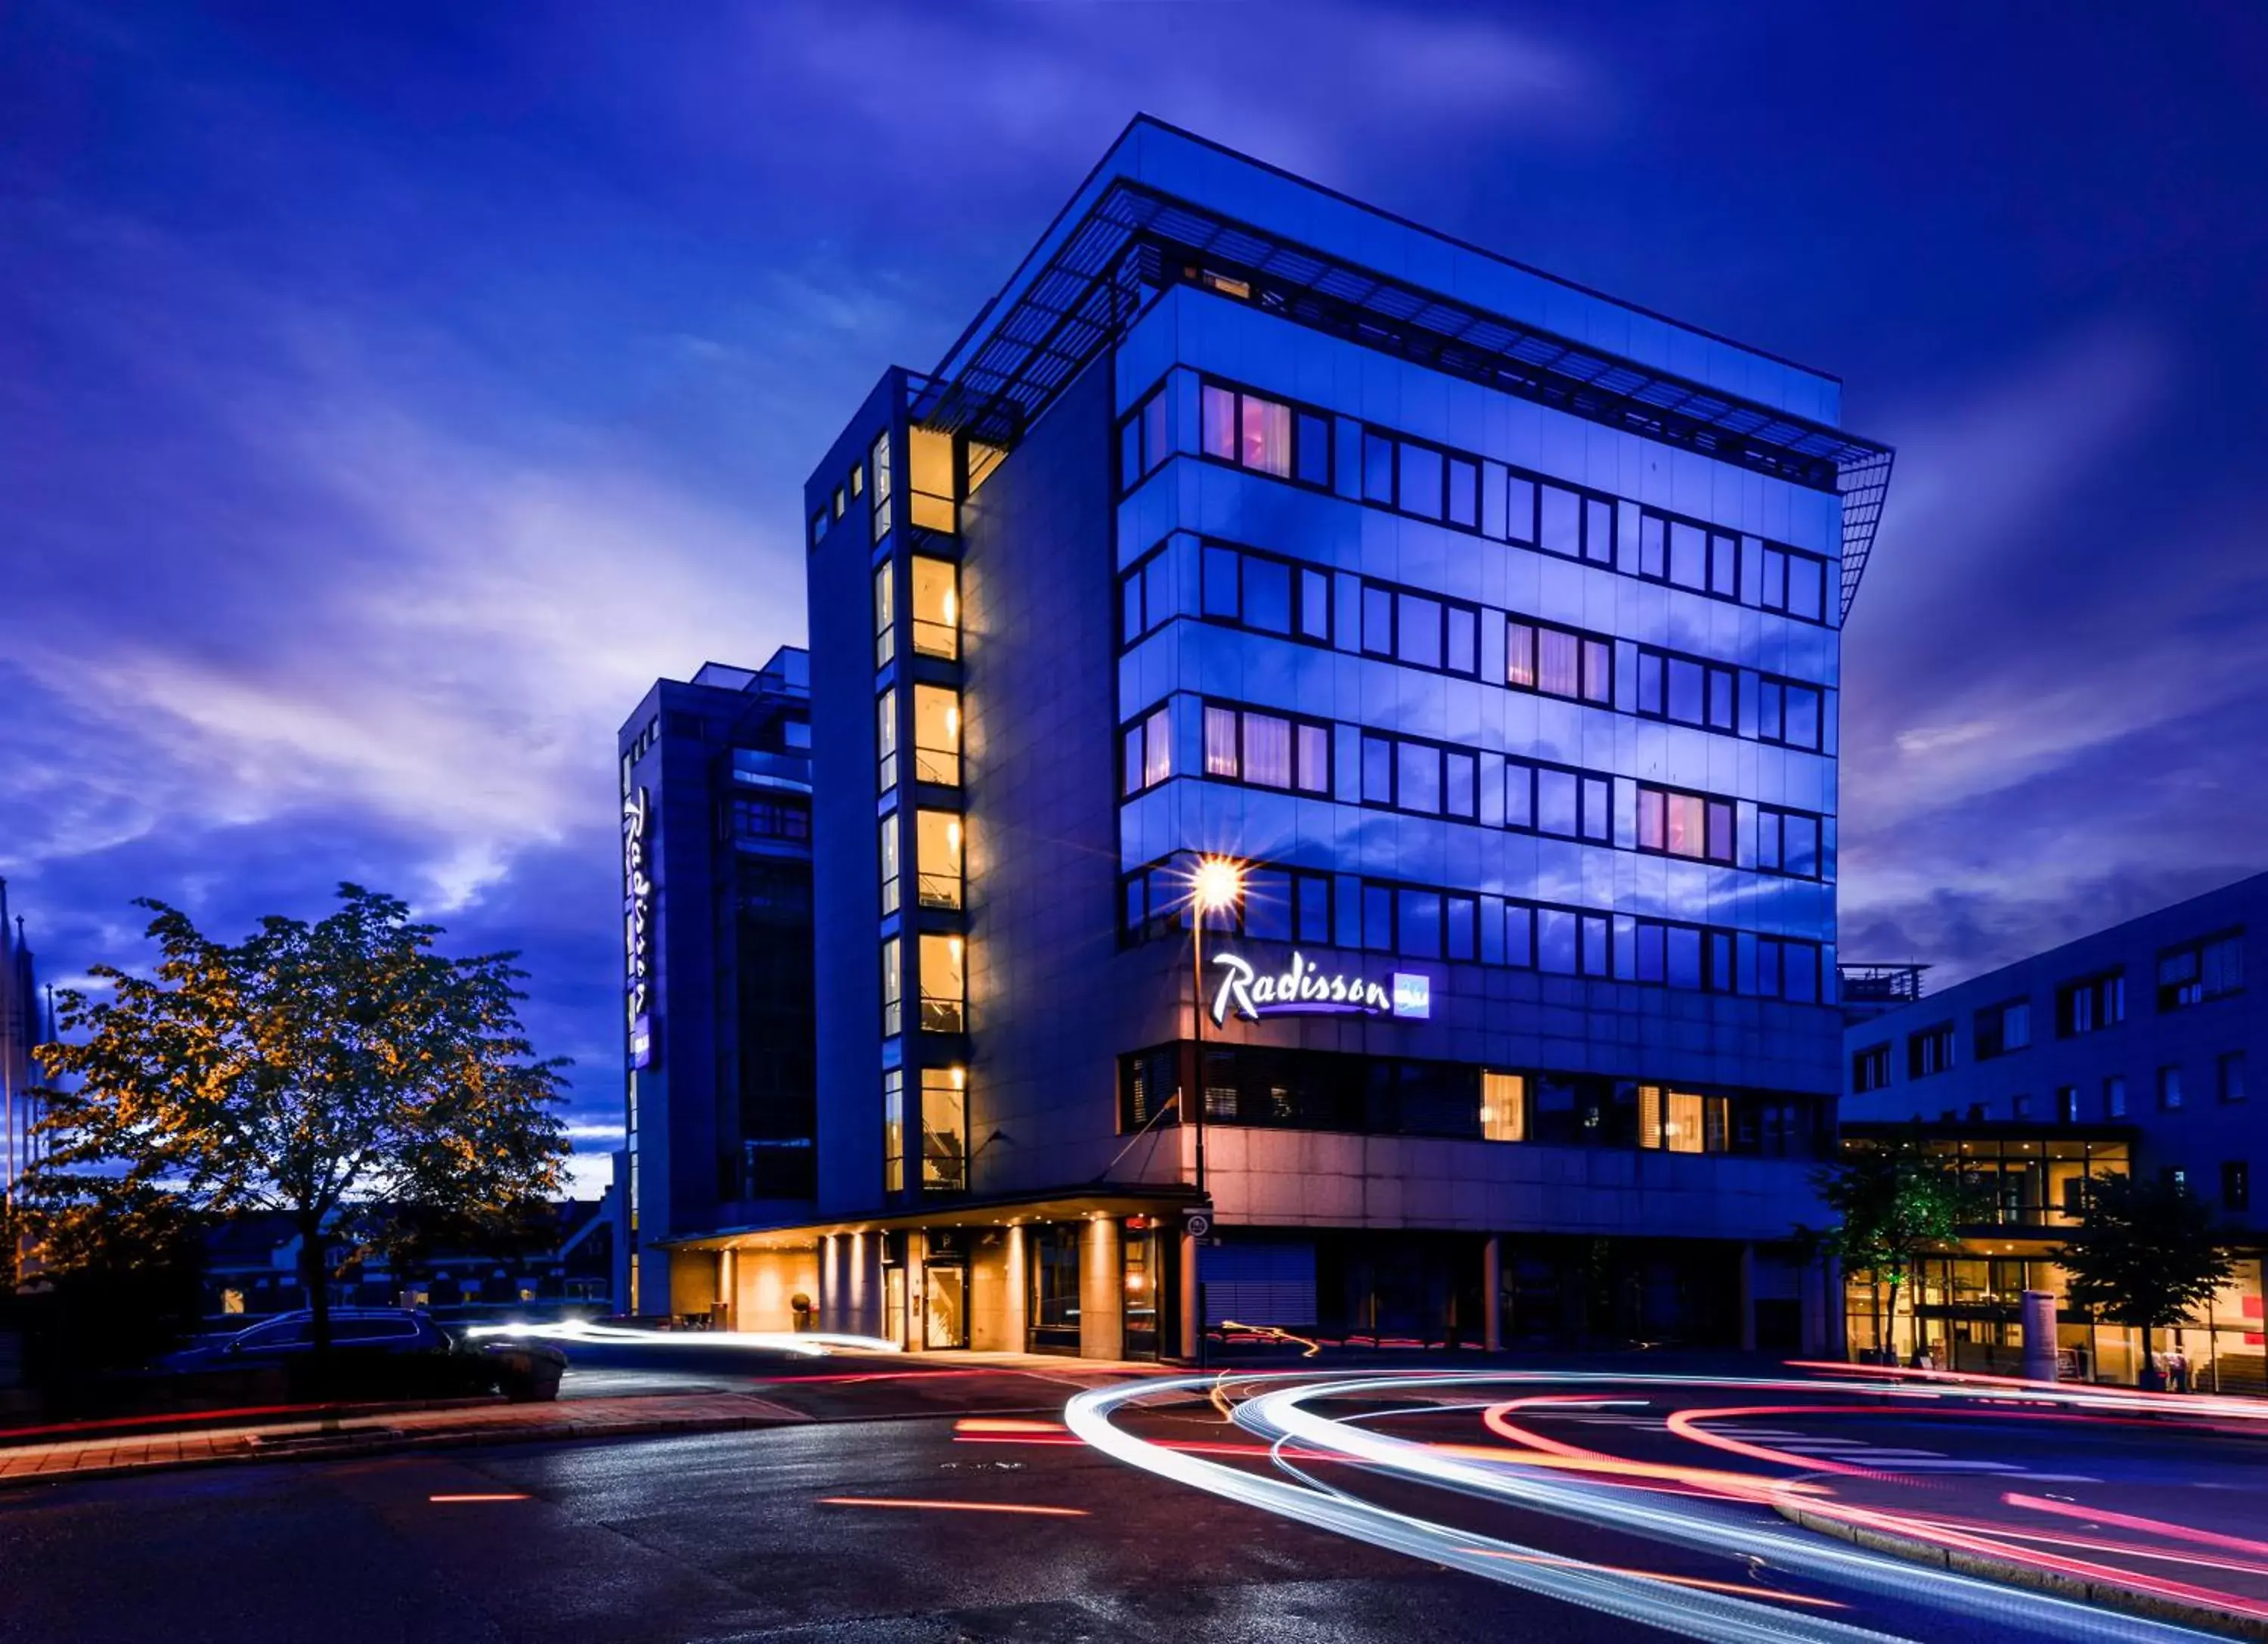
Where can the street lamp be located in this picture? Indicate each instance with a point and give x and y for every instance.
(1216, 885)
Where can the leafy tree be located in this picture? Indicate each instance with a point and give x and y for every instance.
(313, 1069)
(1894, 1203)
(2148, 1254)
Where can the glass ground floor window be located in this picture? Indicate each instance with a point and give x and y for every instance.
(1053, 1324)
(1964, 1312)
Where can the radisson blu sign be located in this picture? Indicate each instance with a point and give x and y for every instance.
(638, 924)
(1305, 989)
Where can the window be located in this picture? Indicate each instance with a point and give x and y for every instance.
(890, 860)
(767, 819)
(944, 1129)
(937, 608)
(1787, 713)
(1281, 905)
(1260, 590)
(1142, 444)
(1870, 1069)
(2021, 1107)
(878, 461)
(2169, 1088)
(886, 737)
(1256, 433)
(1787, 842)
(1686, 690)
(1546, 798)
(2199, 971)
(1679, 955)
(1567, 522)
(2003, 1027)
(1503, 1107)
(1689, 554)
(937, 859)
(2228, 1076)
(930, 489)
(937, 735)
(2114, 1098)
(2235, 1184)
(1684, 824)
(837, 504)
(1404, 774)
(1929, 1052)
(885, 615)
(1421, 630)
(1146, 597)
(1558, 662)
(2091, 1003)
(1681, 1121)
(893, 989)
(857, 480)
(1794, 582)
(2067, 1104)
(943, 985)
(1421, 479)
(1148, 750)
(1269, 750)
(894, 1131)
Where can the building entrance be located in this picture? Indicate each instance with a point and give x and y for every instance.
(945, 1306)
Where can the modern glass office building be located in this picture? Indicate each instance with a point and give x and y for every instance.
(720, 1087)
(1487, 629)
(2123, 1052)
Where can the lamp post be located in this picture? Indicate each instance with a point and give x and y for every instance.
(1217, 883)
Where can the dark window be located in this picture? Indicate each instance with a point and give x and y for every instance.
(1788, 842)
(2236, 1184)
(2003, 1027)
(2198, 971)
(1146, 597)
(2169, 1088)
(1792, 581)
(1929, 1052)
(1142, 444)
(1870, 1069)
(1788, 713)
(1405, 774)
(2228, 1076)
(2091, 1003)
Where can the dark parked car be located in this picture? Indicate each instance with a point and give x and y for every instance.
(362, 1330)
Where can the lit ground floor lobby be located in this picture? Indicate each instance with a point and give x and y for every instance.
(1143, 1277)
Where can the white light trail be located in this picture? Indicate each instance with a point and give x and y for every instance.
(803, 1344)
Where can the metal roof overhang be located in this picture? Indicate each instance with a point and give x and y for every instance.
(1084, 295)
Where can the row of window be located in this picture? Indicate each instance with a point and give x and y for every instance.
(1420, 922)
(1295, 1089)
(1417, 478)
(1243, 587)
(2068, 1106)
(936, 616)
(765, 819)
(1428, 778)
(2187, 974)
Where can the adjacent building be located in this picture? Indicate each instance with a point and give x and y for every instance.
(2126, 1050)
(22, 1026)
(1484, 631)
(717, 986)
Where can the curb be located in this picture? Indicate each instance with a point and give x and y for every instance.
(2104, 1595)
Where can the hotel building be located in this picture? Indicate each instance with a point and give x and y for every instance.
(715, 789)
(1490, 628)
(2123, 1052)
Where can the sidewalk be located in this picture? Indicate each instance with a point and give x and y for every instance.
(862, 1388)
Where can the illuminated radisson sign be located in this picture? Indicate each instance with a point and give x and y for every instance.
(1301, 989)
(638, 924)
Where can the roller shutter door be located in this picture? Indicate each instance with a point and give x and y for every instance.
(1260, 1284)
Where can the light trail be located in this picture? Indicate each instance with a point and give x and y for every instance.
(1567, 1482)
(802, 1344)
(463, 1497)
(920, 1504)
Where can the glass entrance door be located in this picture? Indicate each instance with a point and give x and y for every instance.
(894, 1305)
(944, 1312)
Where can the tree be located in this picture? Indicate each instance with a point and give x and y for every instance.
(2147, 1254)
(1893, 1202)
(316, 1069)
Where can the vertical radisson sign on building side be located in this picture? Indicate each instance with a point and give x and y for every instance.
(637, 920)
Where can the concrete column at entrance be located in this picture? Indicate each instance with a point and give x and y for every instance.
(1016, 1306)
(1747, 1301)
(1102, 1291)
(1492, 1293)
(1822, 1290)
(1192, 1319)
(728, 1288)
(827, 1304)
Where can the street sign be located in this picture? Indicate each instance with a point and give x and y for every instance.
(1197, 1223)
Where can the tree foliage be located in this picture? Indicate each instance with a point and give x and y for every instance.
(2148, 1253)
(1894, 1203)
(311, 1069)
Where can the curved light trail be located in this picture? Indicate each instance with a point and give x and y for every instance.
(803, 1344)
(1702, 1509)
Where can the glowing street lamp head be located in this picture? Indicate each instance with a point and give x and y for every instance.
(1217, 883)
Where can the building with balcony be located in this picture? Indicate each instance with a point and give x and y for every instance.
(720, 1087)
(2125, 1051)
(1488, 628)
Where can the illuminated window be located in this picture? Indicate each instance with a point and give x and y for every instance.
(880, 461)
(929, 455)
(1263, 434)
(885, 616)
(894, 1131)
(886, 737)
(1558, 662)
(1684, 824)
(1681, 1121)
(889, 858)
(1148, 751)
(943, 985)
(937, 608)
(1503, 1108)
(893, 989)
(937, 734)
(944, 1129)
(937, 858)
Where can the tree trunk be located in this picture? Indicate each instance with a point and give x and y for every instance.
(2149, 1377)
(1896, 1356)
(1881, 1355)
(315, 1280)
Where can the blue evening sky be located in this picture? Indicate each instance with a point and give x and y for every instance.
(389, 392)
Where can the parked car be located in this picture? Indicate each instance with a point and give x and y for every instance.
(361, 1331)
